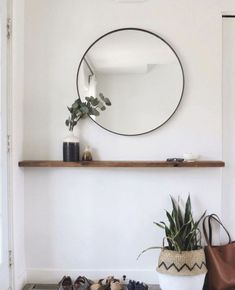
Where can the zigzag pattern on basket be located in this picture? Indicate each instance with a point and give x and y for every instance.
(184, 265)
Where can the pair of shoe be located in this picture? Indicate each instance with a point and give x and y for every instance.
(133, 285)
(110, 283)
(81, 283)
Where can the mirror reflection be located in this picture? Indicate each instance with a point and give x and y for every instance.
(141, 75)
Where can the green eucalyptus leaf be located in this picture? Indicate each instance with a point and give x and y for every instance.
(78, 101)
(107, 102)
(67, 122)
(78, 113)
(75, 106)
(101, 106)
(70, 109)
(101, 96)
(81, 109)
(94, 101)
(94, 112)
(84, 109)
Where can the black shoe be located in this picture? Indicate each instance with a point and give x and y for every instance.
(82, 283)
(66, 283)
(141, 286)
(131, 285)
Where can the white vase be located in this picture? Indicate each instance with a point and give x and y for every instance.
(171, 282)
(71, 148)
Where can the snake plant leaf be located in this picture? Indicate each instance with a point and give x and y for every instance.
(188, 210)
(190, 240)
(174, 244)
(161, 222)
(159, 225)
(199, 237)
(175, 213)
(200, 219)
(168, 234)
(186, 229)
(150, 248)
(173, 225)
(180, 215)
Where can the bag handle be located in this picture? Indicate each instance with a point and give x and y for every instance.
(217, 219)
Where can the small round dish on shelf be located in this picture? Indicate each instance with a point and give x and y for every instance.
(190, 157)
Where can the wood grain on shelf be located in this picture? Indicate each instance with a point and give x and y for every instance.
(48, 163)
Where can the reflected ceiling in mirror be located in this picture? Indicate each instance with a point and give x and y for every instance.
(139, 72)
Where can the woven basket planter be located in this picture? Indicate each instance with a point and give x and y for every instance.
(181, 271)
(185, 263)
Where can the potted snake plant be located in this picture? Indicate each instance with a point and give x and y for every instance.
(182, 263)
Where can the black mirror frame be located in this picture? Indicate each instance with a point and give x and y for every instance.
(149, 32)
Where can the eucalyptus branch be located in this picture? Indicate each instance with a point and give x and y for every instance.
(91, 107)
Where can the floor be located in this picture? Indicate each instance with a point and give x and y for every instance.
(55, 287)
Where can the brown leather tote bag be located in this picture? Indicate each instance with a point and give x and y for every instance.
(220, 259)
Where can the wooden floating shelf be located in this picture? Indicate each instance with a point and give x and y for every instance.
(133, 164)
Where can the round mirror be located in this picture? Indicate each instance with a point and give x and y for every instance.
(139, 72)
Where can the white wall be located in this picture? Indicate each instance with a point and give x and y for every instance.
(17, 142)
(96, 221)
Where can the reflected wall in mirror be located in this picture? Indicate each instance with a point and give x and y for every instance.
(139, 72)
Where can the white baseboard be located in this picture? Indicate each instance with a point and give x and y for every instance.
(55, 275)
(130, 1)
